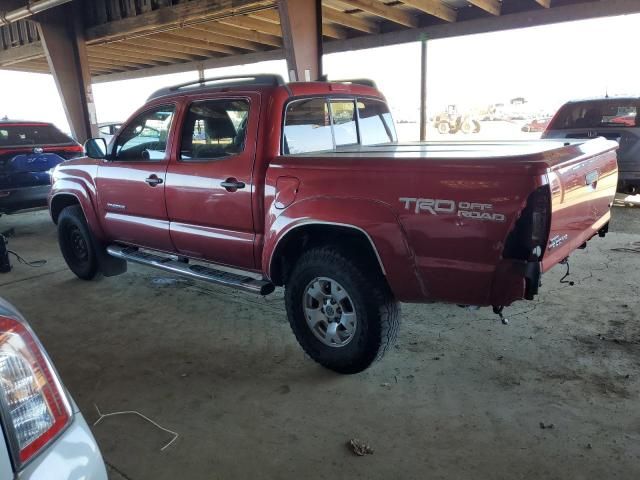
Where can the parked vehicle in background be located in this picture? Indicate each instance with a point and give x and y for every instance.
(29, 151)
(453, 122)
(536, 125)
(615, 118)
(305, 185)
(44, 436)
(108, 130)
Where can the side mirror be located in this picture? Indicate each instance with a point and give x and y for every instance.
(96, 148)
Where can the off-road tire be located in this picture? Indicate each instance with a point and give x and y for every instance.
(378, 314)
(76, 243)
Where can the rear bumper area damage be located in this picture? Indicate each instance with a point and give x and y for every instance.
(519, 279)
(515, 280)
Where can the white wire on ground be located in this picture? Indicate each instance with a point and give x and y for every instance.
(127, 412)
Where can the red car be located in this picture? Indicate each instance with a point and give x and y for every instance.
(304, 185)
(536, 125)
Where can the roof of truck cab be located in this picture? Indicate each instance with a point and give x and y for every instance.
(623, 98)
(332, 88)
(268, 83)
(23, 122)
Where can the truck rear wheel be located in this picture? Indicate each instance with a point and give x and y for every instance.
(343, 315)
(76, 243)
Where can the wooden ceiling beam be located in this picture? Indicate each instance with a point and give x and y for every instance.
(179, 37)
(113, 63)
(392, 14)
(244, 34)
(212, 34)
(135, 52)
(103, 52)
(269, 15)
(434, 7)
(333, 31)
(140, 45)
(172, 46)
(180, 14)
(22, 53)
(250, 23)
(349, 20)
(491, 6)
(107, 68)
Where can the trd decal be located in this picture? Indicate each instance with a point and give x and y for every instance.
(436, 206)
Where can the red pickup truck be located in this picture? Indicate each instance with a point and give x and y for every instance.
(254, 183)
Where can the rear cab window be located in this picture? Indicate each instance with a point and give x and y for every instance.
(25, 135)
(618, 113)
(319, 124)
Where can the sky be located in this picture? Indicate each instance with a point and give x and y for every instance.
(546, 65)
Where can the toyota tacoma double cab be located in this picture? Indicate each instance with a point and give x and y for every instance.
(254, 183)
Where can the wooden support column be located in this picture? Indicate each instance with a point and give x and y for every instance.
(301, 22)
(61, 33)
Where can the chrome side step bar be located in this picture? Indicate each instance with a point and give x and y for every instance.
(198, 272)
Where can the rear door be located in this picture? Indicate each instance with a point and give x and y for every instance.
(209, 185)
(131, 184)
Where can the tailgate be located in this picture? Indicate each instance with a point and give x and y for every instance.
(582, 192)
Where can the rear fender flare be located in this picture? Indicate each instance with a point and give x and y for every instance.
(372, 218)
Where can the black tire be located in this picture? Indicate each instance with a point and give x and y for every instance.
(378, 314)
(76, 243)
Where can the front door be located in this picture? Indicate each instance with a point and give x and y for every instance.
(209, 186)
(131, 183)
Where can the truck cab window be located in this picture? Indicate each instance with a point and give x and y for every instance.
(376, 123)
(145, 138)
(345, 131)
(307, 127)
(214, 129)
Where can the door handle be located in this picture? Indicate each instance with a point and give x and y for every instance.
(153, 180)
(231, 184)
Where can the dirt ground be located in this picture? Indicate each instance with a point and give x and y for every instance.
(460, 396)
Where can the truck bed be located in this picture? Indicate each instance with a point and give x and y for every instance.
(459, 203)
(530, 150)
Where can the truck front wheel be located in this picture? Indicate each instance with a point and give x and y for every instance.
(342, 313)
(76, 243)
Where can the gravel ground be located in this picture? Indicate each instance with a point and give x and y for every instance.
(553, 395)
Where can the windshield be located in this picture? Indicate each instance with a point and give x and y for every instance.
(26, 135)
(605, 113)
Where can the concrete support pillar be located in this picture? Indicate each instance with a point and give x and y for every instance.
(301, 22)
(62, 36)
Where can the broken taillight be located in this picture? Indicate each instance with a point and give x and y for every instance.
(32, 400)
(528, 239)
